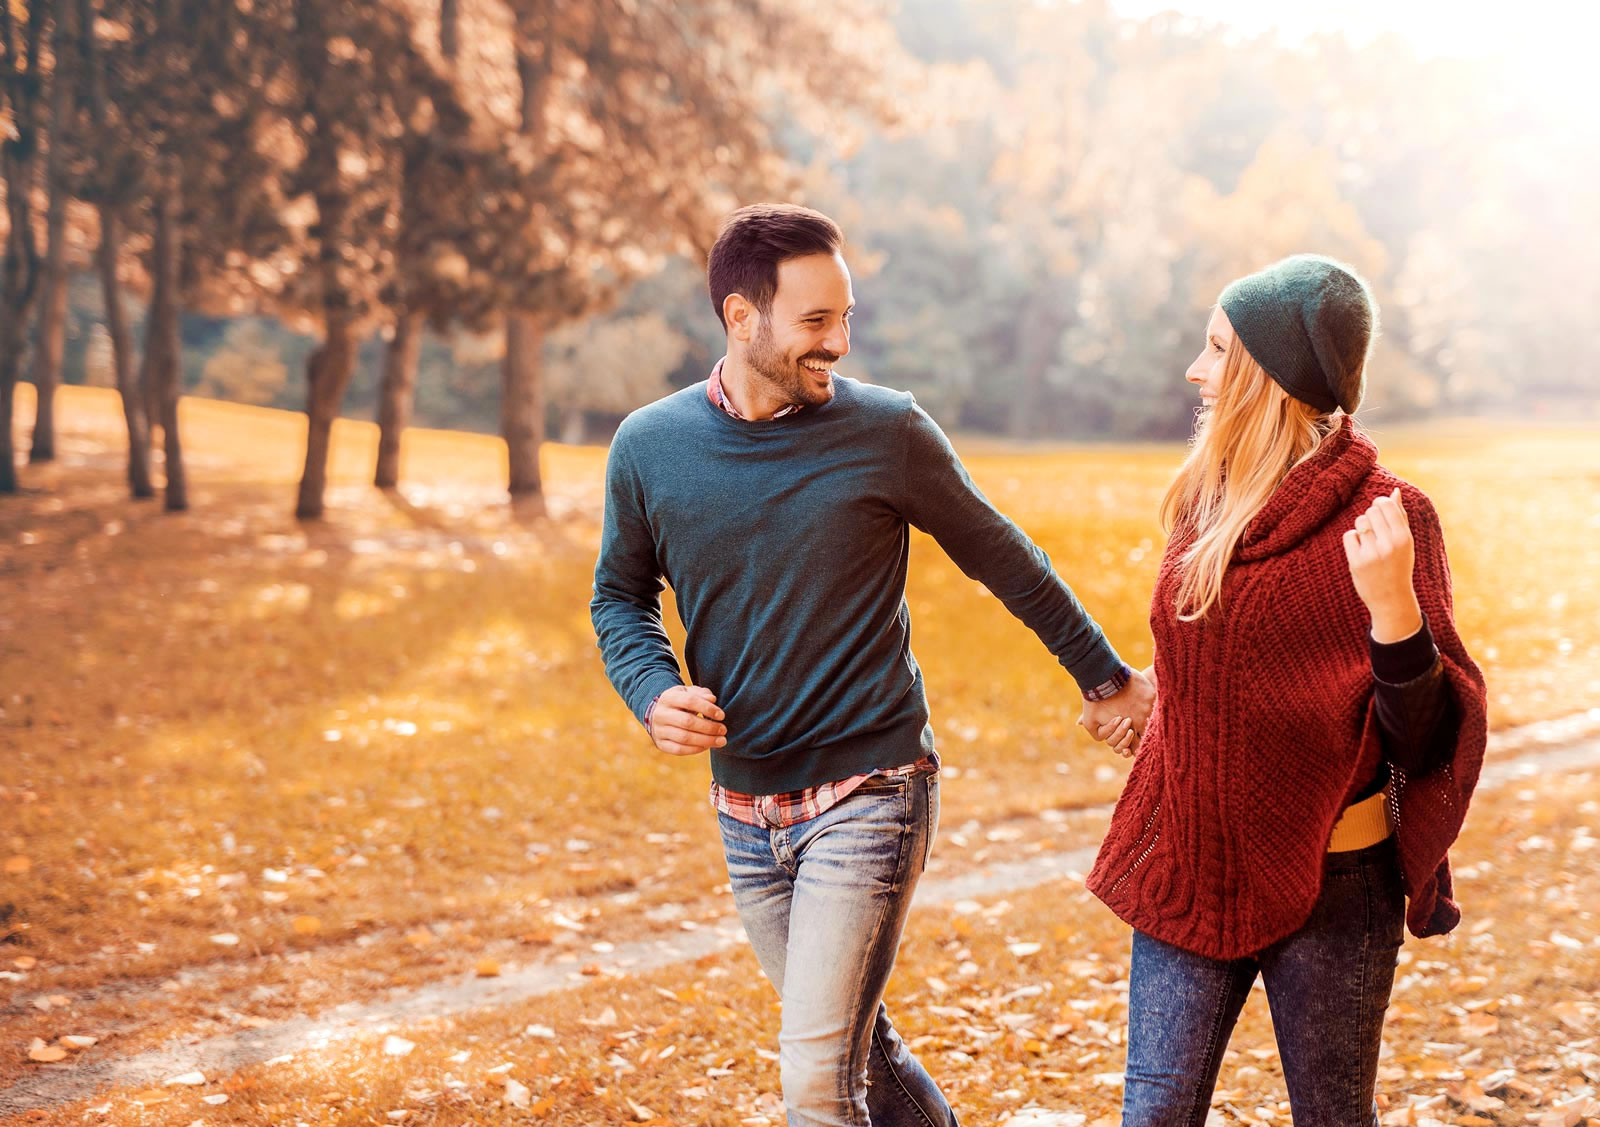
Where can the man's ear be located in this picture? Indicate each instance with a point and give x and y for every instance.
(741, 317)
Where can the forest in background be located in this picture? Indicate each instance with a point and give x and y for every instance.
(492, 214)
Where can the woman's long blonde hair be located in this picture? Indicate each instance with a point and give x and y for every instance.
(1244, 446)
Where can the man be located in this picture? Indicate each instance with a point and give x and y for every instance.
(776, 500)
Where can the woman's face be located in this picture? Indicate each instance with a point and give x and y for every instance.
(1206, 370)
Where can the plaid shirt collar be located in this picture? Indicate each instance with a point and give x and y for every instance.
(719, 398)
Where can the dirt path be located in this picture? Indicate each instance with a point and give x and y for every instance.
(1569, 744)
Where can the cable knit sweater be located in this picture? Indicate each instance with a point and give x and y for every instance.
(1217, 842)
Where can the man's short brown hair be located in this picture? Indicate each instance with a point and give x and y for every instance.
(752, 243)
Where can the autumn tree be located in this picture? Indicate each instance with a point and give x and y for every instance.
(634, 135)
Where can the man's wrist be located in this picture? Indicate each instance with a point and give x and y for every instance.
(1112, 685)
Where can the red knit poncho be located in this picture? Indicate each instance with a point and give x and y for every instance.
(1264, 727)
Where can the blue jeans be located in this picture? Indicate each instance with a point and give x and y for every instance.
(1327, 985)
(824, 903)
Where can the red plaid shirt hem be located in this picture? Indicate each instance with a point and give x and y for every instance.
(779, 810)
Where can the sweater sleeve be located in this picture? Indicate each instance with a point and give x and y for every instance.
(1415, 713)
(939, 497)
(1432, 803)
(626, 607)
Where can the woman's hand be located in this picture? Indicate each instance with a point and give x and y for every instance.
(1381, 555)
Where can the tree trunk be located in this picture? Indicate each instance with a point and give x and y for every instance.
(19, 266)
(450, 29)
(396, 394)
(52, 332)
(328, 373)
(8, 398)
(574, 426)
(162, 377)
(522, 390)
(522, 408)
(1041, 323)
(52, 329)
(122, 358)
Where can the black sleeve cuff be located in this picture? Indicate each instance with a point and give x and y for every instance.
(1397, 663)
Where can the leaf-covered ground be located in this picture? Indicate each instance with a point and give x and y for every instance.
(254, 769)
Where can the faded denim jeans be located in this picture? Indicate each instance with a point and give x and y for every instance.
(1327, 985)
(824, 903)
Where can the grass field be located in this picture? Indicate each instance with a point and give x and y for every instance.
(245, 758)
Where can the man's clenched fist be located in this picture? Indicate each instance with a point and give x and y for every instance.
(687, 721)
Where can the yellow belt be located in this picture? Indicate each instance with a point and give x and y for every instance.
(1362, 824)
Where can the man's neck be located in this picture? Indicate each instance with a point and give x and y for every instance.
(750, 395)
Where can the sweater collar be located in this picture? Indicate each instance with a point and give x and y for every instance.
(1311, 493)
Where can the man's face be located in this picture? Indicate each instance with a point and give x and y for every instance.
(807, 330)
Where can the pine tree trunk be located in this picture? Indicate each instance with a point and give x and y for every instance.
(396, 395)
(522, 408)
(328, 373)
(163, 345)
(122, 357)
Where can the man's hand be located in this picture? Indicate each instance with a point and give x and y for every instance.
(687, 721)
(1120, 720)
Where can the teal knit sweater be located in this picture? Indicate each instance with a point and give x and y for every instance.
(786, 543)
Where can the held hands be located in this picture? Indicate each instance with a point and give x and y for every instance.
(1381, 555)
(687, 721)
(1120, 720)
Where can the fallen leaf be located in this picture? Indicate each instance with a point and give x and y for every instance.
(45, 1054)
(75, 1042)
(18, 865)
(517, 1095)
(488, 968)
(307, 925)
(25, 962)
(1479, 1025)
(225, 939)
(188, 1080)
(1561, 1117)
(1040, 1117)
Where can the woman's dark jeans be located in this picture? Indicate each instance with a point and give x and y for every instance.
(1327, 984)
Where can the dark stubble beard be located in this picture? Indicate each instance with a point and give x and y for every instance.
(794, 387)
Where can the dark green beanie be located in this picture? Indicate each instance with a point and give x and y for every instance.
(1309, 321)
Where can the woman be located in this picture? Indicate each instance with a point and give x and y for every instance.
(1318, 726)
